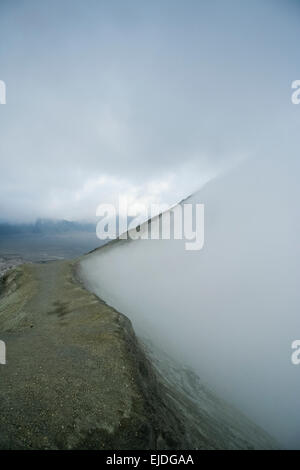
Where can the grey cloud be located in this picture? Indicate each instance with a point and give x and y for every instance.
(138, 92)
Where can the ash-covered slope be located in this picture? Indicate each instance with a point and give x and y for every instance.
(231, 310)
(77, 377)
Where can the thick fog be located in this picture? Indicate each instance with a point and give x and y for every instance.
(230, 310)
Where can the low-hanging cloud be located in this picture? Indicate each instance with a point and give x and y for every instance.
(231, 310)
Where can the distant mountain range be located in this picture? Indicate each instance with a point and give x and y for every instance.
(46, 226)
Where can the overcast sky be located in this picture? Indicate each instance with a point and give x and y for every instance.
(145, 98)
